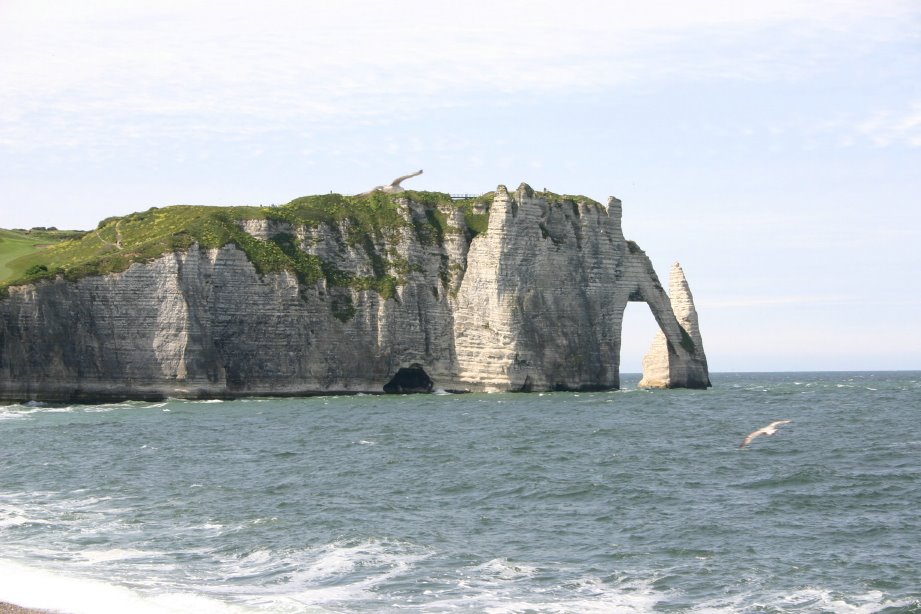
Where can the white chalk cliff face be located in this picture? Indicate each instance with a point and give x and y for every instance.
(534, 303)
(662, 366)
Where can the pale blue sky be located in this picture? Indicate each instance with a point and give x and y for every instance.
(773, 148)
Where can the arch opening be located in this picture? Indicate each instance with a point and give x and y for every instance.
(638, 329)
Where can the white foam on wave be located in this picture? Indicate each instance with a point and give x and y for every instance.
(263, 520)
(504, 570)
(805, 600)
(506, 588)
(102, 409)
(48, 590)
(206, 529)
(347, 574)
(377, 561)
(341, 572)
(14, 412)
(69, 512)
(15, 516)
(60, 410)
(824, 600)
(115, 554)
(106, 407)
(18, 508)
(91, 503)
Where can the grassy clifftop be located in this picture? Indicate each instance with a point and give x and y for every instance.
(118, 242)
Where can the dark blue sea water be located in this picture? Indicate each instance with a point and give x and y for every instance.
(627, 501)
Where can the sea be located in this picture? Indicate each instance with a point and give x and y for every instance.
(624, 501)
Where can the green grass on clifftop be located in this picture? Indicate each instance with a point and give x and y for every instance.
(16, 244)
(118, 242)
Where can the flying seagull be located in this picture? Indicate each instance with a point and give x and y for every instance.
(767, 430)
(394, 186)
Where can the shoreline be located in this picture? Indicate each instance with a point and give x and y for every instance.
(10, 608)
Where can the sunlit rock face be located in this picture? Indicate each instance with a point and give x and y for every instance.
(533, 302)
(662, 365)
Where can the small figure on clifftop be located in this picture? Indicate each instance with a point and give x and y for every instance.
(394, 186)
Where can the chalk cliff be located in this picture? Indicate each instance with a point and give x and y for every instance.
(660, 367)
(533, 301)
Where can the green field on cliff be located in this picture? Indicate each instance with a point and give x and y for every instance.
(117, 242)
(16, 245)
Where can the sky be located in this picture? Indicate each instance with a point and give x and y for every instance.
(772, 148)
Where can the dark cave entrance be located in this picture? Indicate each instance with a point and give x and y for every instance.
(409, 380)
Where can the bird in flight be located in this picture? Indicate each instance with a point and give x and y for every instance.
(767, 430)
(394, 186)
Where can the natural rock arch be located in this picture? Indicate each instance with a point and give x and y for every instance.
(680, 361)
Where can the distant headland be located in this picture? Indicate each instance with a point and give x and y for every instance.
(393, 290)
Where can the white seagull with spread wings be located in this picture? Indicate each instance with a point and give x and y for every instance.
(394, 186)
(767, 430)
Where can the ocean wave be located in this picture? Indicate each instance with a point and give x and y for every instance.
(331, 581)
(340, 573)
(392, 576)
(373, 574)
(16, 516)
(73, 516)
(32, 409)
(114, 554)
(500, 587)
(808, 600)
(13, 412)
(502, 569)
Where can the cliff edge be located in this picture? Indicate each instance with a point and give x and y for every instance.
(512, 291)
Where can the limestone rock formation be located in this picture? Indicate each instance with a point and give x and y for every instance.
(532, 301)
(661, 365)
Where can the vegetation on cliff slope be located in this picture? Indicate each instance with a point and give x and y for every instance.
(368, 221)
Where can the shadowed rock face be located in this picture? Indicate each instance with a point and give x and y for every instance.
(534, 303)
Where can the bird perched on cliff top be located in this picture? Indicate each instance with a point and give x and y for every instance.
(767, 430)
(394, 186)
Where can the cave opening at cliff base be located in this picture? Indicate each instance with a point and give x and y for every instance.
(409, 380)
